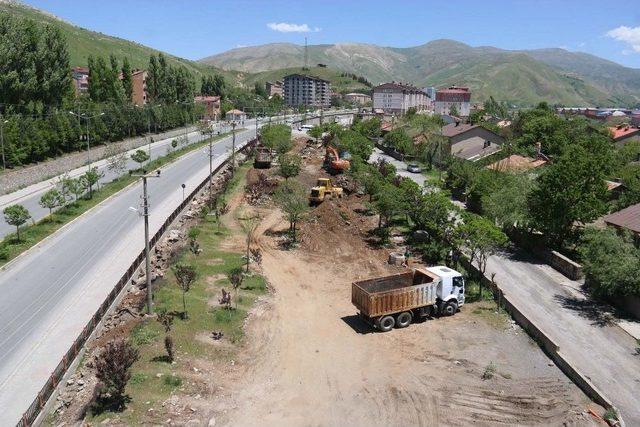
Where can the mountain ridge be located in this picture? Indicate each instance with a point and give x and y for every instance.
(518, 76)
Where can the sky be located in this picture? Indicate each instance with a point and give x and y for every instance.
(195, 29)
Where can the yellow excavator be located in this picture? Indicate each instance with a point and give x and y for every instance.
(324, 190)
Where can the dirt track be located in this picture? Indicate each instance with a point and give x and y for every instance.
(309, 361)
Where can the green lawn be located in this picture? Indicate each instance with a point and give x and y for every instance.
(153, 378)
(30, 235)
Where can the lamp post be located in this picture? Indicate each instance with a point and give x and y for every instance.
(233, 147)
(86, 120)
(145, 214)
(4, 162)
(183, 186)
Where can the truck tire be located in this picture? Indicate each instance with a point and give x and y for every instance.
(404, 319)
(450, 308)
(386, 323)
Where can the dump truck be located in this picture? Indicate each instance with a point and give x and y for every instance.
(263, 158)
(323, 190)
(398, 299)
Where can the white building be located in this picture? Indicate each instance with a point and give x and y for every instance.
(460, 97)
(398, 98)
(303, 90)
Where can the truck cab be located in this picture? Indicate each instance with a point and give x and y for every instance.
(450, 290)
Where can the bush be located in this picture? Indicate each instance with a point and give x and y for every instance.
(173, 380)
(113, 372)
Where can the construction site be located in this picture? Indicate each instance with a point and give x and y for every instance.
(301, 354)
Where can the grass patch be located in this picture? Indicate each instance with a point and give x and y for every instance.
(153, 380)
(489, 371)
(31, 235)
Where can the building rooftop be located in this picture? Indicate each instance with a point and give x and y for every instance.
(628, 218)
(454, 89)
(621, 132)
(201, 98)
(456, 128)
(235, 112)
(474, 148)
(516, 163)
(307, 76)
(400, 86)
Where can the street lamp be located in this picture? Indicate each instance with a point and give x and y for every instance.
(145, 213)
(4, 162)
(183, 186)
(233, 147)
(86, 119)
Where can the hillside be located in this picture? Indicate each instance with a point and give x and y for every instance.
(338, 83)
(520, 77)
(82, 43)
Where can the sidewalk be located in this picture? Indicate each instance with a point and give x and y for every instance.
(23, 177)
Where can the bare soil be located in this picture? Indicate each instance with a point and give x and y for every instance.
(310, 361)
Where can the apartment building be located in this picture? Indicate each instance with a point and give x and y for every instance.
(458, 97)
(211, 106)
(80, 76)
(305, 90)
(274, 88)
(139, 93)
(358, 98)
(397, 98)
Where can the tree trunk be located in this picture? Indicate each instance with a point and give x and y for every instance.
(18, 232)
(184, 304)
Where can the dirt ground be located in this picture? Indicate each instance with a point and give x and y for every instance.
(310, 361)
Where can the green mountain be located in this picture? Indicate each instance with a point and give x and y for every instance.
(82, 43)
(519, 77)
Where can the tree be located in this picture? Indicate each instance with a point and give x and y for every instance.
(430, 138)
(277, 137)
(290, 165)
(113, 371)
(482, 239)
(236, 277)
(52, 199)
(91, 178)
(249, 225)
(399, 140)
(140, 156)
(16, 215)
(316, 132)
(127, 78)
(611, 262)
(185, 276)
(571, 190)
(116, 159)
(291, 197)
(369, 128)
(507, 205)
(386, 204)
(453, 111)
(76, 187)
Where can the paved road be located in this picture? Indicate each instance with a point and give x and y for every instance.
(30, 196)
(600, 350)
(50, 294)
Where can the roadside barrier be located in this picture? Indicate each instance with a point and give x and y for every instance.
(36, 407)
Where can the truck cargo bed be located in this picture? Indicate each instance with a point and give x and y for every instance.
(395, 293)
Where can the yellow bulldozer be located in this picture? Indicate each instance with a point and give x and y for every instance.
(324, 190)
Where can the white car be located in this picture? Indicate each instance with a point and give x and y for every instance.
(413, 168)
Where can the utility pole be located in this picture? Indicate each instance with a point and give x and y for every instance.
(233, 147)
(86, 120)
(4, 162)
(145, 213)
(210, 169)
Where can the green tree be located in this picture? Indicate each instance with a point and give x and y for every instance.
(369, 128)
(140, 156)
(76, 187)
(400, 141)
(16, 215)
(453, 111)
(482, 239)
(611, 262)
(277, 137)
(185, 275)
(127, 78)
(290, 165)
(291, 198)
(91, 178)
(52, 199)
(507, 205)
(571, 190)
(386, 204)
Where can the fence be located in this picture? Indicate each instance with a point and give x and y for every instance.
(32, 413)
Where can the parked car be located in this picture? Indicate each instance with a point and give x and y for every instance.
(413, 168)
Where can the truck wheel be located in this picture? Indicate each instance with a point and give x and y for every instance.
(450, 308)
(403, 320)
(386, 323)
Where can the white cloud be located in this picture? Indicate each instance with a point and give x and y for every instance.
(285, 27)
(628, 35)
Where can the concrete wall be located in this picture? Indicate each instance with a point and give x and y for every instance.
(564, 265)
(630, 304)
(546, 343)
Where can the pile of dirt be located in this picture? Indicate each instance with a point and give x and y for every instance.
(335, 229)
